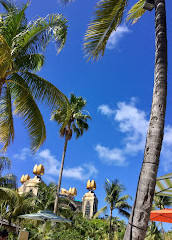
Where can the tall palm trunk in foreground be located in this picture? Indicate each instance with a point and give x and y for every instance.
(137, 226)
(60, 177)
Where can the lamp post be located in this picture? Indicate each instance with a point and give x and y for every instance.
(149, 5)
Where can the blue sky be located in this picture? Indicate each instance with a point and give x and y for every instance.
(118, 90)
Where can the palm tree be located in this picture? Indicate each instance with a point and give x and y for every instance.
(160, 202)
(21, 53)
(9, 180)
(71, 119)
(113, 191)
(153, 232)
(108, 16)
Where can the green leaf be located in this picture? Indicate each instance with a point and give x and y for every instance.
(5, 57)
(6, 120)
(8, 194)
(43, 90)
(5, 162)
(26, 108)
(9, 181)
(13, 22)
(39, 33)
(108, 16)
(29, 62)
(102, 210)
(136, 12)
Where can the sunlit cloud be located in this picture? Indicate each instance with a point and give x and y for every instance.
(133, 124)
(52, 166)
(116, 36)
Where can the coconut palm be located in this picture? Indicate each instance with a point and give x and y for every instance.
(113, 191)
(9, 180)
(108, 16)
(21, 52)
(153, 232)
(71, 118)
(161, 202)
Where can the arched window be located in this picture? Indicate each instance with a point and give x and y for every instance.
(87, 210)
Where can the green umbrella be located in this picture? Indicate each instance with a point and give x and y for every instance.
(44, 216)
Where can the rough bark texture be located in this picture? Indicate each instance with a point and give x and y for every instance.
(110, 225)
(60, 177)
(138, 222)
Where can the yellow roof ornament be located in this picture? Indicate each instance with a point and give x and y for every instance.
(38, 170)
(91, 185)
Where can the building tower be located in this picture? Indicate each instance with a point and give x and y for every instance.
(89, 201)
(31, 184)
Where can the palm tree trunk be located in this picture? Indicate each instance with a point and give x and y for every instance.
(60, 177)
(138, 222)
(110, 225)
(162, 230)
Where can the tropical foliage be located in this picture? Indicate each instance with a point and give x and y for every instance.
(72, 119)
(115, 201)
(9, 180)
(153, 233)
(21, 51)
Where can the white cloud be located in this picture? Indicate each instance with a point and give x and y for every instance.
(105, 110)
(116, 36)
(133, 123)
(113, 157)
(24, 154)
(52, 166)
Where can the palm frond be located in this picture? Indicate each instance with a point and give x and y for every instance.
(136, 12)
(9, 6)
(6, 120)
(43, 90)
(108, 16)
(102, 210)
(5, 57)
(13, 22)
(39, 33)
(124, 213)
(8, 194)
(29, 62)
(5, 162)
(124, 198)
(9, 181)
(26, 107)
(123, 205)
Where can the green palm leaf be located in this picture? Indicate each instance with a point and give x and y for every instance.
(29, 62)
(44, 90)
(8, 194)
(6, 120)
(26, 107)
(136, 12)
(98, 213)
(9, 180)
(124, 213)
(5, 162)
(39, 33)
(5, 60)
(8, 5)
(13, 22)
(108, 16)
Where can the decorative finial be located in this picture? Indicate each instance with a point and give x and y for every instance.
(91, 185)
